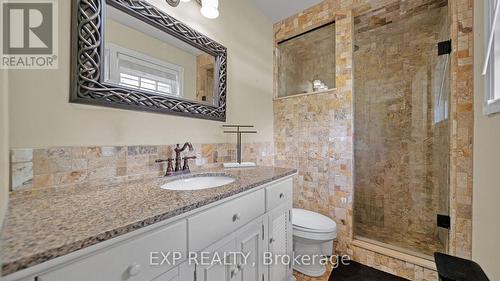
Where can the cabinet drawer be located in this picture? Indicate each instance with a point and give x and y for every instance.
(128, 261)
(213, 224)
(278, 194)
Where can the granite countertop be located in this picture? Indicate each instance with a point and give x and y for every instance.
(41, 225)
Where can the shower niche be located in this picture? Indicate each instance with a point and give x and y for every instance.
(306, 62)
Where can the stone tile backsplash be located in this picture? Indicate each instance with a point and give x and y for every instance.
(60, 166)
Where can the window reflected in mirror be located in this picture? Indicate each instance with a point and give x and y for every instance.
(139, 56)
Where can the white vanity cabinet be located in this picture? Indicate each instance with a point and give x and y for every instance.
(280, 243)
(217, 222)
(254, 222)
(269, 236)
(249, 240)
(280, 231)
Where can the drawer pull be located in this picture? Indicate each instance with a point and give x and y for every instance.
(282, 195)
(134, 269)
(236, 217)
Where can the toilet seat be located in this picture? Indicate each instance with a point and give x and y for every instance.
(313, 235)
(308, 221)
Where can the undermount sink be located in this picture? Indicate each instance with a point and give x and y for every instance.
(198, 183)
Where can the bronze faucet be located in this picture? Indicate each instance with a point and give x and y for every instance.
(177, 170)
(178, 151)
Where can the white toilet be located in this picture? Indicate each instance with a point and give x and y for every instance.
(313, 235)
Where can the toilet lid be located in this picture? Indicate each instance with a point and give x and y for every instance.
(312, 220)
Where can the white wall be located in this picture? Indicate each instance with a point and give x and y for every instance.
(40, 115)
(486, 209)
(4, 144)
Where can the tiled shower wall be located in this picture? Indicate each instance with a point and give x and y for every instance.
(332, 194)
(313, 133)
(60, 166)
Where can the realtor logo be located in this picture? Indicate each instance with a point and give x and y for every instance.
(29, 34)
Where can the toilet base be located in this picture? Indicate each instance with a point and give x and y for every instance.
(314, 249)
(315, 270)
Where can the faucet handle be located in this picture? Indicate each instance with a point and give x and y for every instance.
(186, 162)
(170, 168)
(163, 160)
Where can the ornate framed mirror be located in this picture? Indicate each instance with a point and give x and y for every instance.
(130, 54)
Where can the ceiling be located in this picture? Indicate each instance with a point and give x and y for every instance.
(277, 10)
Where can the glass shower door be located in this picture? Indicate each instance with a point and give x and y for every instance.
(402, 132)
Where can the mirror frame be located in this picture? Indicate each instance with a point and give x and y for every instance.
(87, 62)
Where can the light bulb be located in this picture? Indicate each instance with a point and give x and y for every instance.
(209, 8)
(209, 12)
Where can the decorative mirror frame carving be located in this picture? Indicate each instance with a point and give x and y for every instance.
(87, 62)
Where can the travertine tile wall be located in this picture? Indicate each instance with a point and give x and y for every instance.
(345, 12)
(60, 166)
(311, 136)
(462, 128)
(314, 133)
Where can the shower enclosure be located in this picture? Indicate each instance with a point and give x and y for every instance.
(401, 127)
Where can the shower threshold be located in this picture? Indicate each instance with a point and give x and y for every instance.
(395, 252)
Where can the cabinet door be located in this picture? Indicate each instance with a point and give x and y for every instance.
(250, 242)
(218, 271)
(280, 243)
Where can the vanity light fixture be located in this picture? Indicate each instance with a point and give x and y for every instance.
(173, 3)
(209, 8)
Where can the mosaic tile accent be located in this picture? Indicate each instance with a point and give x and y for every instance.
(61, 166)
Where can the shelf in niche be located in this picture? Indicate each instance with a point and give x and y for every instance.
(329, 91)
